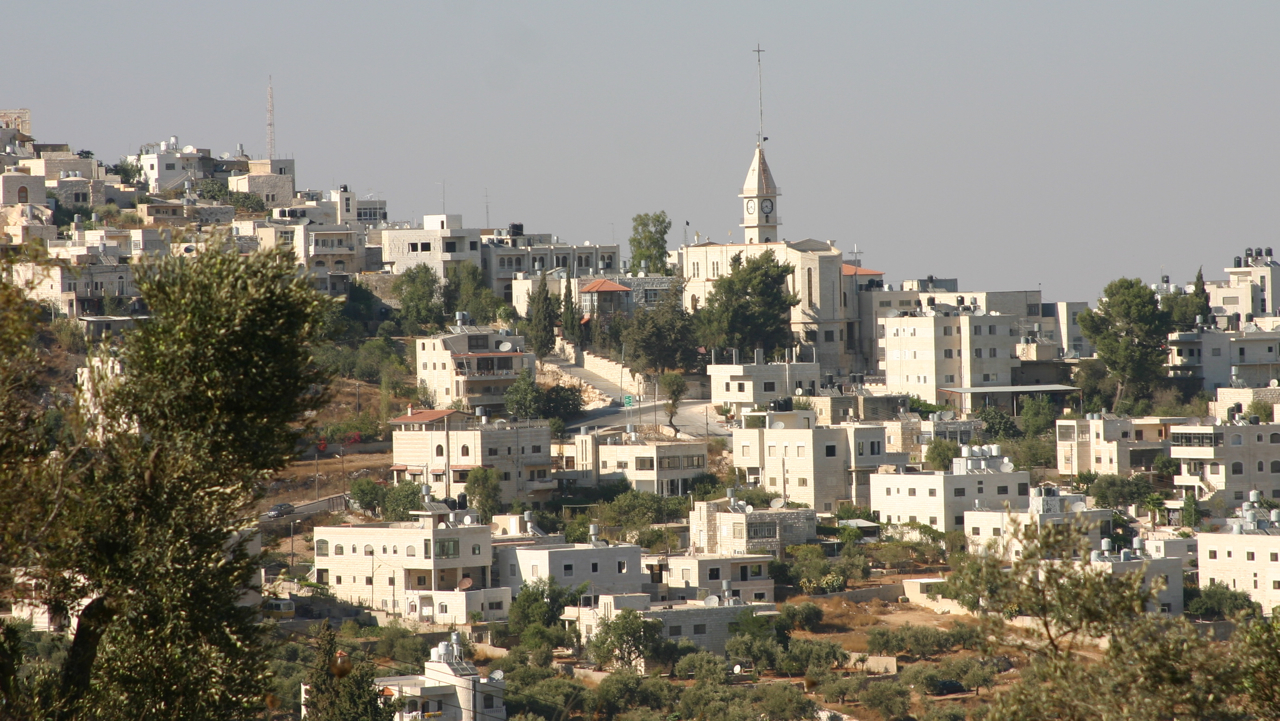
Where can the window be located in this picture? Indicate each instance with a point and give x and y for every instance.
(22, 194)
(977, 352)
(391, 580)
(1275, 556)
(322, 548)
(337, 550)
(959, 493)
(911, 491)
(444, 608)
(488, 698)
(674, 631)
(1237, 469)
(976, 531)
(170, 166)
(1248, 556)
(933, 493)
(535, 449)
(422, 580)
(770, 386)
(568, 570)
(1024, 489)
(622, 566)
(699, 629)
(1002, 490)
(447, 548)
(440, 451)
(742, 387)
(475, 549)
(368, 580)
(829, 336)
(595, 567)
(1213, 555)
(713, 574)
(368, 550)
(644, 464)
(804, 482)
(466, 450)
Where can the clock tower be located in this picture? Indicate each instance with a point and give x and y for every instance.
(760, 201)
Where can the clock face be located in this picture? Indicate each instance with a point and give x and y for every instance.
(751, 206)
(766, 206)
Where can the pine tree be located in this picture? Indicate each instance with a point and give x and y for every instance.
(339, 689)
(541, 328)
(750, 307)
(569, 315)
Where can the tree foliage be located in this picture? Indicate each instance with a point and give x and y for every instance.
(750, 307)
(663, 338)
(145, 509)
(465, 290)
(540, 331)
(625, 639)
(526, 399)
(1112, 491)
(940, 454)
(1129, 331)
(335, 693)
(649, 242)
(484, 493)
(418, 290)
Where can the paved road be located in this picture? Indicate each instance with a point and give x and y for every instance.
(694, 417)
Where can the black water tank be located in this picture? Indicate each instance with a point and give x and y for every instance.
(462, 501)
(515, 229)
(1239, 262)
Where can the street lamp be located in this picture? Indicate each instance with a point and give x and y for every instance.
(291, 556)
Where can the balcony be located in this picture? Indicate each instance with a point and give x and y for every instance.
(470, 373)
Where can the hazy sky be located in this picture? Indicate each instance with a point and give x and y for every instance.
(1008, 144)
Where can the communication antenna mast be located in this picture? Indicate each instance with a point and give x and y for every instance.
(486, 208)
(760, 83)
(271, 121)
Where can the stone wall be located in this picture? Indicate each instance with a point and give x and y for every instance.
(1228, 397)
(592, 397)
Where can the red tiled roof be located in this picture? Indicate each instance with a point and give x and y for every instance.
(604, 286)
(856, 270)
(423, 416)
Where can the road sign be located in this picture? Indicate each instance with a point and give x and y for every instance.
(628, 401)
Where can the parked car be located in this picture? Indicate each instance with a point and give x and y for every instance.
(280, 510)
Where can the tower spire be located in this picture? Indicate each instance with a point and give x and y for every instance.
(271, 121)
(760, 88)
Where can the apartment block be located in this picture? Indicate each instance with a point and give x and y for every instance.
(744, 387)
(434, 569)
(1225, 462)
(994, 530)
(269, 179)
(707, 623)
(695, 576)
(605, 568)
(449, 688)
(728, 526)
(1245, 556)
(979, 480)
(1214, 358)
(1107, 443)
(650, 464)
(822, 467)
(940, 349)
(473, 365)
(439, 448)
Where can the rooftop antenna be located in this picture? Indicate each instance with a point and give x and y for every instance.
(442, 205)
(486, 208)
(760, 83)
(271, 121)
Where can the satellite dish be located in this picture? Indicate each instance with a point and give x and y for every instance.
(799, 391)
(466, 520)
(979, 312)
(777, 503)
(188, 148)
(496, 675)
(189, 249)
(1078, 507)
(750, 509)
(892, 314)
(1273, 383)
(225, 156)
(737, 668)
(778, 425)
(711, 601)
(442, 524)
(946, 415)
(465, 583)
(505, 346)
(1006, 467)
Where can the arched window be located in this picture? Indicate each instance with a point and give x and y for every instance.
(408, 551)
(1275, 437)
(319, 263)
(1237, 439)
(337, 550)
(1260, 466)
(1237, 469)
(466, 451)
(440, 450)
(339, 265)
(353, 549)
(395, 550)
(22, 194)
(368, 549)
(693, 303)
(384, 550)
(1275, 466)
(322, 548)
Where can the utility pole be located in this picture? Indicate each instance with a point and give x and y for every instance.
(317, 471)
(486, 208)
(291, 561)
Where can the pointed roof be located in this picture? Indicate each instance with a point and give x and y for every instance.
(759, 179)
(604, 286)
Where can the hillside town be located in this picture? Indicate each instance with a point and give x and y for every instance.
(439, 470)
